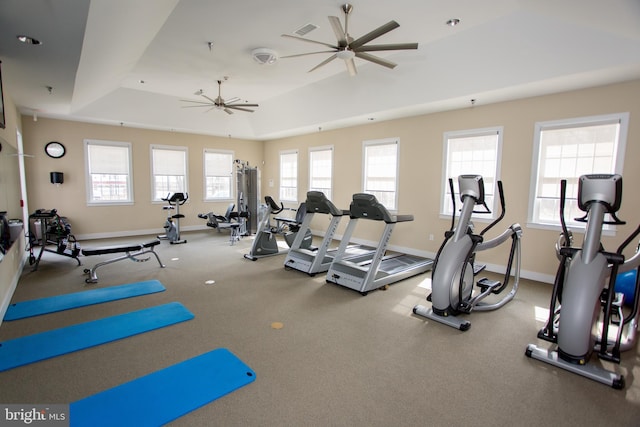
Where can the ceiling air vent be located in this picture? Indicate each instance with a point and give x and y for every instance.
(305, 29)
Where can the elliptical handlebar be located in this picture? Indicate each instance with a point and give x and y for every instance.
(502, 207)
(563, 197)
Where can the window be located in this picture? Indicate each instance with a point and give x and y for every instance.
(168, 171)
(381, 171)
(289, 176)
(567, 149)
(108, 172)
(471, 152)
(218, 174)
(321, 170)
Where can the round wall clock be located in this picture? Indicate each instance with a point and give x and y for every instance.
(55, 149)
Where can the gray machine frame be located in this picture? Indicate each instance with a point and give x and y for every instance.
(591, 317)
(454, 271)
(314, 260)
(265, 242)
(382, 270)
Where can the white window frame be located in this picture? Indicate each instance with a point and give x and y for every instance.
(284, 197)
(328, 191)
(176, 148)
(91, 200)
(206, 174)
(533, 219)
(393, 207)
(490, 179)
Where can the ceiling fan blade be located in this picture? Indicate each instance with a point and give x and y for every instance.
(197, 106)
(376, 60)
(203, 104)
(240, 105)
(325, 62)
(226, 110)
(391, 25)
(309, 41)
(351, 66)
(308, 53)
(238, 108)
(341, 34)
(212, 100)
(395, 46)
(231, 100)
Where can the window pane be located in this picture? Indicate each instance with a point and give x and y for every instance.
(218, 171)
(169, 169)
(320, 170)
(380, 172)
(471, 152)
(289, 176)
(108, 172)
(568, 150)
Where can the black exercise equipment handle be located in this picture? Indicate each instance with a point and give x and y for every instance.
(563, 196)
(453, 201)
(502, 207)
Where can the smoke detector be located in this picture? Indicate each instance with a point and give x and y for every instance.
(263, 55)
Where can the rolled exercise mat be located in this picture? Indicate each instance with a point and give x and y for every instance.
(44, 345)
(165, 395)
(37, 307)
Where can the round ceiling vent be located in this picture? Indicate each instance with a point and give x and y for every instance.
(263, 55)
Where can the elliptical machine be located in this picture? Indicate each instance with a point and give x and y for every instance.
(173, 228)
(454, 268)
(586, 314)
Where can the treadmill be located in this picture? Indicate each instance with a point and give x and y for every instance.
(383, 269)
(313, 260)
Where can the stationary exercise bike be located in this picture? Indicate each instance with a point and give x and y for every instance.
(265, 243)
(172, 227)
(586, 314)
(455, 267)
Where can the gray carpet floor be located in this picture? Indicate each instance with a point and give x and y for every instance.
(323, 355)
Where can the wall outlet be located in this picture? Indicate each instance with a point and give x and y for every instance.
(430, 236)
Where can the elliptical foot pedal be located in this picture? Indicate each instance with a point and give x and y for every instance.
(485, 284)
(477, 268)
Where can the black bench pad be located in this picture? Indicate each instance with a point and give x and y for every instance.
(118, 249)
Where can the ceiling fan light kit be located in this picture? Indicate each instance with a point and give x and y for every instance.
(347, 48)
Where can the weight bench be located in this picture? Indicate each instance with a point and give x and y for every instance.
(132, 252)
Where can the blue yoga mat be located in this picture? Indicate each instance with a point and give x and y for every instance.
(20, 310)
(34, 348)
(164, 395)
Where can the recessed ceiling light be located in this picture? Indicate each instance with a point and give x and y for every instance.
(29, 40)
(453, 22)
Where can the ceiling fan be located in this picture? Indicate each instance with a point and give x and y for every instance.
(347, 47)
(219, 103)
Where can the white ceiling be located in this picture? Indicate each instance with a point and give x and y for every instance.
(94, 55)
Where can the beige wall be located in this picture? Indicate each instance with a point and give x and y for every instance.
(143, 216)
(420, 169)
(11, 264)
(421, 145)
